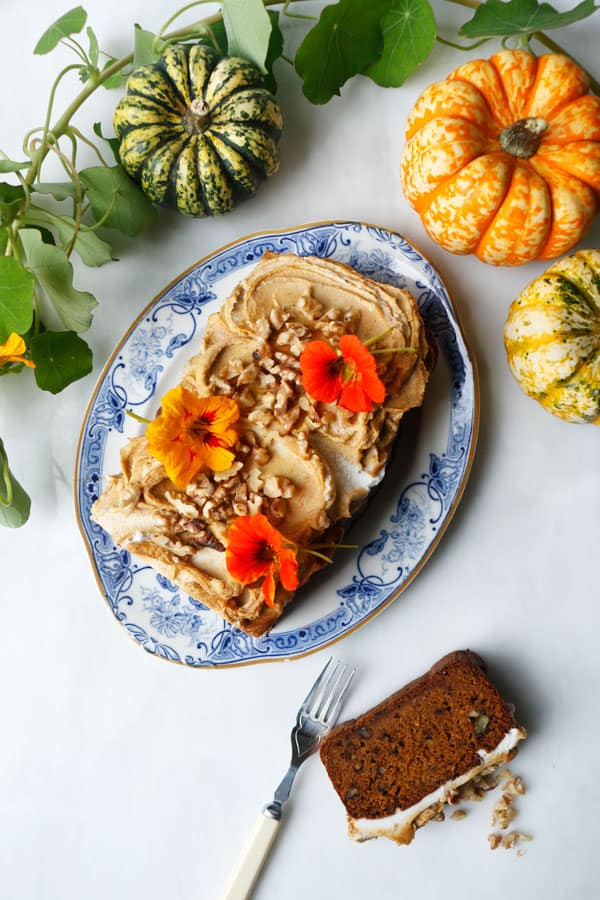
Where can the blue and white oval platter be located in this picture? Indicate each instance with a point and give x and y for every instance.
(403, 521)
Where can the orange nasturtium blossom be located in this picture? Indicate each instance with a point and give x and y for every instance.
(347, 376)
(255, 549)
(193, 433)
(12, 350)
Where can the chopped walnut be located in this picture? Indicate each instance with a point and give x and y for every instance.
(432, 812)
(513, 837)
(458, 814)
(495, 840)
(503, 812)
(480, 721)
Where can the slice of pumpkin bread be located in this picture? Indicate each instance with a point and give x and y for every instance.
(396, 766)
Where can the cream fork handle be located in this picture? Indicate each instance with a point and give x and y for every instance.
(249, 865)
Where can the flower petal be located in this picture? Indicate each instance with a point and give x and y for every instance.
(268, 587)
(365, 373)
(288, 569)
(14, 345)
(354, 398)
(12, 350)
(320, 379)
(217, 458)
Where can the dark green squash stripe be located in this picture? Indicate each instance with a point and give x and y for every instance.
(217, 188)
(222, 82)
(267, 163)
(155, 172)
(152, 83)
(244, 186)
(128, 157)
(202, 61)
(185, 191)
(262, 108)
(174, 64)
(137, 112)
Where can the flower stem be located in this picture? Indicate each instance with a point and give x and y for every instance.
(132, 415)
(394, 350)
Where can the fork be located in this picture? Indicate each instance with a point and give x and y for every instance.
(315, 718)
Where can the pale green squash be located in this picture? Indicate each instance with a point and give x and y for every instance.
(552, 338)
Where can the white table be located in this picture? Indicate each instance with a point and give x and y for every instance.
(125, 776)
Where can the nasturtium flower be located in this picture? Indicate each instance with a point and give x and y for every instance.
(12, 350)
(346, 376)
(255, 549)
(193, 433)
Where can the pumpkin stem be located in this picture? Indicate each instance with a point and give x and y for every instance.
(523, 137)
(196, 118)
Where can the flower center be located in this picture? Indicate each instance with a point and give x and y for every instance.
(265, 553)
(200, 429)
(350, 372)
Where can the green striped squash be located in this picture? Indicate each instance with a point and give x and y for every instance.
(198, 131)
(552, 338)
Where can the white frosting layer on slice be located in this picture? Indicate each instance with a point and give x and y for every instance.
(399, 826)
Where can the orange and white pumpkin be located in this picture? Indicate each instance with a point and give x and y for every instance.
(502, 159)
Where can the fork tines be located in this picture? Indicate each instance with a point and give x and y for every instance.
(325, 697)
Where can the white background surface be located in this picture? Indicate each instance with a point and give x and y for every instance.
(124, 776)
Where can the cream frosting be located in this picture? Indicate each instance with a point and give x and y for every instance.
(399, 826)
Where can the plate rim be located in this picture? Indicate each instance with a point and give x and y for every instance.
(451, 511)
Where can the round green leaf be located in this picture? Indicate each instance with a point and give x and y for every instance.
(16, 297)
(60, 358)
(409, 32)
(116, 199)
(71, 23)
(345, 40)
(54, 273)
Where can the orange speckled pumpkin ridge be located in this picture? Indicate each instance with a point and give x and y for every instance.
(502, 159)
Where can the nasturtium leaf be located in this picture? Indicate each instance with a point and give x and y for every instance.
(14, 502)
(219, 34)
(116, 199)
(60, 190)
(93, 51)
(71, 23)
(11, 200)
(9, 165)
(248, 28)
(346, 40)
(497, 19)
(409, 32)
(91, 248)
(54, 273)
(143, 47)
(60, 358)
(274, 50)
(16, 297)
(47, 236)
(113, 142)
(10, 193)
